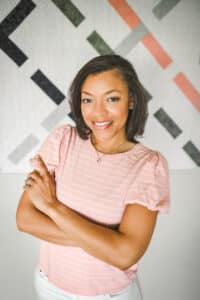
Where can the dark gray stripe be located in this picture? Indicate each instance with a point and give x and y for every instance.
(48, 87)
(16, 16)
(99, 44)
(193, 152)
(163, 8)
(147, 95)
(70, 114)
(12, 50)
(167, 122)
(9, 24)
(70, 11)
(23, 149)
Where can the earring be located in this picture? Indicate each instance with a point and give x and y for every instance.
(131, 105)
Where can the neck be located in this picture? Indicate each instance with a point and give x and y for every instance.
(108, 148)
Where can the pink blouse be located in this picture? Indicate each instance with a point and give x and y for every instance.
(100, 191)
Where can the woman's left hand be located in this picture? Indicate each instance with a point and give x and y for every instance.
(41, 186)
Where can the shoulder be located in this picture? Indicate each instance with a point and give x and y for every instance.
(148, 157)
(62, 131)
(156, 165)
(62, 128)
(149, 180)
(56, 143)
(61, 134)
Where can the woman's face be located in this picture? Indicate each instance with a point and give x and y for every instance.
(105, 105)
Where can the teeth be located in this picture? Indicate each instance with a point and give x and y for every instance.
(102, 123)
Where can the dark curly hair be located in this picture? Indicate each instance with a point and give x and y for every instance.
(137, 116)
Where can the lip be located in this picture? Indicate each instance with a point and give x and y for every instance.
(101, 127)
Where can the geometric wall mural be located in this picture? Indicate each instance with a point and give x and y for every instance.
(43, 44)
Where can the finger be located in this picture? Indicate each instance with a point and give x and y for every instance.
(29, 181)
(35, 175)
(27, 186)
(41, 166)
(34, 172)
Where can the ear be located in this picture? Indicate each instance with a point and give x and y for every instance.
(131, 104)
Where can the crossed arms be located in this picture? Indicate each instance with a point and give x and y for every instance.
(120, 246)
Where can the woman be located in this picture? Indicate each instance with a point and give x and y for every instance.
(95, 193)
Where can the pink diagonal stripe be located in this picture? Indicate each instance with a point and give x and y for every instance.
(188, 89)
(156, 50)
(126, 12)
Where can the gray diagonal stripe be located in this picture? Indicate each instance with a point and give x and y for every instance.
(131, 40)
(99, 44)
(167, 122)
(23, 149)
(193, 152)
(163, 8)
(70, 11)
(56, 116)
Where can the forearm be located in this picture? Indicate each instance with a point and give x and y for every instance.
(41, 226)
(99, 241)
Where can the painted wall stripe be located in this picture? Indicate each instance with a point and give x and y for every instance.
(48, 87)
(23, 149)
(156, 50)
(132, 19)
(99, 44)
(56, 116)
(70, 114)
(188, 89)
(164, 7)
(193, 152)
(16, 16)
(70, 11)
(9, 24)
(167, 122)
(132, 39)
(10, 49)
(126, 12)
(147, 95)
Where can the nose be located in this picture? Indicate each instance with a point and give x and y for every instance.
(99, 107)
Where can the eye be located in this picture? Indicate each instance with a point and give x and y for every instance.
(114, 99)
(85, 100)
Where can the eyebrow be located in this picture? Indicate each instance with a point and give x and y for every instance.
(108, 92)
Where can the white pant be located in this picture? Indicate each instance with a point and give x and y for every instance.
(47, 291)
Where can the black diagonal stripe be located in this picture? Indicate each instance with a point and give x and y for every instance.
(147, 95)
(12, 50)
(193, 152)
(99, 44)
(48, 87)
(16, 16)
(70, 114)
(167, 122)
(70, 11)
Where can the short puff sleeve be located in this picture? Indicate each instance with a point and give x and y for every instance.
(52, 148)
(151, 185)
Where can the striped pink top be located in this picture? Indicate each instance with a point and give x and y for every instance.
(100, 191)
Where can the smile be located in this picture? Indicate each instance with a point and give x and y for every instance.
(102, 125)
